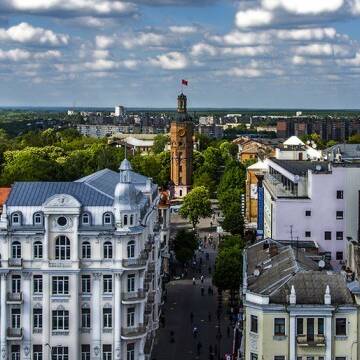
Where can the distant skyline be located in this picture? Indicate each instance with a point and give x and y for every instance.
(235, 54)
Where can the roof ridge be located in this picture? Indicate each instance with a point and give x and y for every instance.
(98, 190)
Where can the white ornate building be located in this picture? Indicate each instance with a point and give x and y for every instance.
(81, 267)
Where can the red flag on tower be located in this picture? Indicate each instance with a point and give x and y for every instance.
(184, 82)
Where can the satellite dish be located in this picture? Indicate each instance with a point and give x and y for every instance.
(321, 264)
(318, 167)
(256, 272)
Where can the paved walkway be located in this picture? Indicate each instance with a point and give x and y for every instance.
(182, 299)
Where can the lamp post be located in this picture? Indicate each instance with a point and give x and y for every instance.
(50, 348)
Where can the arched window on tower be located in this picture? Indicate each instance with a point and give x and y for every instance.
(62, 248)
(125, 220)
(16, 250)
(108, 250)
(131, 249)
(86, 250)
(38, 250)
(131, 219)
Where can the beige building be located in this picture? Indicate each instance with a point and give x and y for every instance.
(294, 309)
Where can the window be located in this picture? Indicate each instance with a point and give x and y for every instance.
(107, 219)
(37, 318)
(108, 250)
(107, 352)
(60, 320)
(15, 318)
(85, 352)
(131, 249)
(37, 352)
(59, 353)
(62, 221)
(279, 327)
(38, 250)
(37, 219)
(130, 317)
(327, 235)
(307, 233)
(85, 318)
(307, 212)
(107, 317)
(339, 215)
(16, 284)
(15, 352)
(339, 194)
(131, 219)
(85, 284)
(340, 327)
(62, 248)
(85, 219)
(254, 324)
(86, 250)
(16, 250)
(60, 285)
(107, 284)
(339, 255)
(320, 326)
(125, 220)
(38, 284)
(299, 326)
(16, 219)
(253, 356)
(131, 283)
(339, 235)
(130, 351)
(279, 357)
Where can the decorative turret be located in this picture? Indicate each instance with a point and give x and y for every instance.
(292, 296)
(327, 296)
(182, 104)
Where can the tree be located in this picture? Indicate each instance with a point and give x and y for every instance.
(228, 268)
(185, 244)
(230, 241)
(160, 141)
(233, 219)
(354, 139)
(204, 179)
(196, 205)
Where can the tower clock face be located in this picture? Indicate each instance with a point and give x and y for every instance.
(181, 132)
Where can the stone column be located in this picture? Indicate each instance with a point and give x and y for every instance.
(27, 315)
(46, 315)
(117, 317)
(96, 318)
(46, 239)
(75, 317)
(329, 336)
(3, 316)
(292, 337)
(75, 247)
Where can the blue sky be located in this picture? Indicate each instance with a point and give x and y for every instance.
(247, 53)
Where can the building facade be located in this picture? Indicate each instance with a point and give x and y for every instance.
(181, 143)
(81, 268)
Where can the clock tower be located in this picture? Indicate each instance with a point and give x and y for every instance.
(181, 135)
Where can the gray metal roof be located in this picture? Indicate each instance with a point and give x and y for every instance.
(347, 151)
(300, 167)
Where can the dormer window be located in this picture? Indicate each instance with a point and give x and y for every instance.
(85, 219)
(107, 219)
(125, 220)
(16, 219)
(37, 219)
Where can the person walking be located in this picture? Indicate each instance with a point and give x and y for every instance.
(202, 279)
(195, 332)
(194, 281)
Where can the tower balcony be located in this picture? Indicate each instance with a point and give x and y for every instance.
(311, 340)
(14, 334)
(14, 298)
(15, 262)
(134, 263)
(133, 296)
(128, 333)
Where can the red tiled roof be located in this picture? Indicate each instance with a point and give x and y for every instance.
(4, 193)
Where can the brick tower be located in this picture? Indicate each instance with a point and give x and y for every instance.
(181, 134)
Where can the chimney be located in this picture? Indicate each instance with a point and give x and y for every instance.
(327, 296)
(292, 296)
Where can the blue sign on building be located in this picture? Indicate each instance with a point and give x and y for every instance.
(260, 216)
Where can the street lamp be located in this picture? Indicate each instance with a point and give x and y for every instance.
(50, 348)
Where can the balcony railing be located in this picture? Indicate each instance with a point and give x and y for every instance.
(136, 262)
(60, 263)
(134, 295)
(14, 333)
(134, 331)
(311, 340)
(14, 297)
(15, 262)
(279, 189)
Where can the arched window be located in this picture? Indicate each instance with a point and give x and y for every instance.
(16, 218)
(108, 250)
(16, 250)
(131, 219)
(85, 219)
(180, 192)
(107, 219)
(86, 250)
(38, 219)
(38, 250)
(125, 220)
(131, 249)
(62, 248)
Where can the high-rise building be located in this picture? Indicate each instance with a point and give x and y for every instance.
(181, 134)
(119, 110)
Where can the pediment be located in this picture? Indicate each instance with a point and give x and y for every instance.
(61, 201)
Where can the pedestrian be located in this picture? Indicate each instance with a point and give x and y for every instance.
(191, 317)
(202, 279)
(195, 332)
(209, 316)
(194, 281)
(199, 346)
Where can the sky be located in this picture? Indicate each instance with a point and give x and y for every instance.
(244, 54)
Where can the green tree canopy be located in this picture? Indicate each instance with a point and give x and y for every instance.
(233, 219)
(196, 205)
(160, 141)
(185, 244)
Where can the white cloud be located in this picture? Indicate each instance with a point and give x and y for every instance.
(183, 29)
(304, 7)
(18, 55)
(247, 51)
(200, 49)
(102, 65)
(130, 64)
(243, 38)
(253, 18)
(171, 61)
(244, 72)
(355, 7)
(100, 54)
(300, 60)
(148, 39)
(26, 33)
(355, 61)
(51, 54)
(103, 42)
(306, 34)
(324, 49)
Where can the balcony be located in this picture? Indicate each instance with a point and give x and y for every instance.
(133, 332)
(15, 262)
(14, 298)
(134, 295)
(60, 263)
(311, 340)
(280, 190)
(134, 263)
(14, 334)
